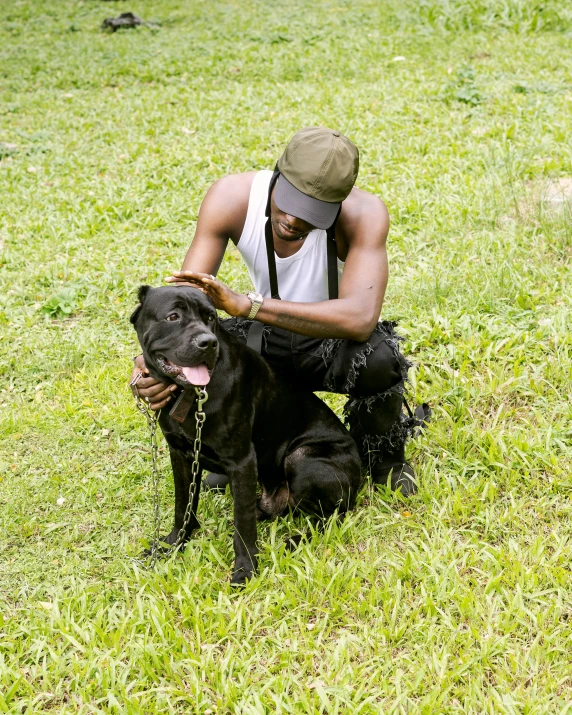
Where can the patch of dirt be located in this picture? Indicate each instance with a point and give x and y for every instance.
(557, 193)
(549, 195)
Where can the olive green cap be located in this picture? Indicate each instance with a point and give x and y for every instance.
(317, 172)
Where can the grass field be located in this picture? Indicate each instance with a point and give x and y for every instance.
(456, 601)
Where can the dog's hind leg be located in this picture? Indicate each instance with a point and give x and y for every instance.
(318, 486)
(182, 476)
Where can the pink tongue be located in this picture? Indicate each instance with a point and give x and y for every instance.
(197, 375)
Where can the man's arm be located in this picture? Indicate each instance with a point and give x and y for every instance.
(222, 216)
(353, 315)
(363, 226)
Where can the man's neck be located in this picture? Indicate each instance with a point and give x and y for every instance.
(284, 248)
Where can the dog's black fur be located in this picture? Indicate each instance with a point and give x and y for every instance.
(258, 427)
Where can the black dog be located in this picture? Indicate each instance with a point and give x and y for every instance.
(257, 429)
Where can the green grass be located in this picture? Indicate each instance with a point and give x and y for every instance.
(458, 601)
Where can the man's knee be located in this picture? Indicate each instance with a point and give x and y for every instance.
(370, 368)
(381, 372)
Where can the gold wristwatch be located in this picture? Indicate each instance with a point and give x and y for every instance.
(256, 299)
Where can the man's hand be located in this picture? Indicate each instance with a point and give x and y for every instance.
(159, 393)
(223, 297)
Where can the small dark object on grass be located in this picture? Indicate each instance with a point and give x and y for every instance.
(126, 19)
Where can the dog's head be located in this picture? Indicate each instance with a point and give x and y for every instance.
(176, 327)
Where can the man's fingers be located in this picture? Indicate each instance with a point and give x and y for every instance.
(144, 383)
(193, 276)
(159, 405)
(186, 282)
(182, 279)
(157, 392)
(189, 274)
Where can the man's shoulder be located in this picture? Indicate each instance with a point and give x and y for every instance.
(226, 203)
(232, 188)
(364, 203)
(364, 216)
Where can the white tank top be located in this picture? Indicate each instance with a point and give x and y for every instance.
(303, 277)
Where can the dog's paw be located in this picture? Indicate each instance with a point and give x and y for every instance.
(239, 578)
(164, 544)
(171, 538)
(293, 541)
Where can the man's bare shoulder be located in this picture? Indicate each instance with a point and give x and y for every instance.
(233, 188)
(361, 203)
(364, 216)
(226, 202)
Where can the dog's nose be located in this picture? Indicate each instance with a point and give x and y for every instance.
(204, 342)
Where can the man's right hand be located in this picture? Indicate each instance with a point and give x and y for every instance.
(159, 393)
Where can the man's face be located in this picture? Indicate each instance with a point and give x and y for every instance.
(287, 227)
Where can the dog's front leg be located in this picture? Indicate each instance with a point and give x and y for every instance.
(243, 480)
(182, 475)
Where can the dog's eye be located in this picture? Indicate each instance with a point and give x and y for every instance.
(173, 316)
(211, 319)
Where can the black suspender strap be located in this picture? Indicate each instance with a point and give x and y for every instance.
(332, 259)
(332, 269)
(269, 239)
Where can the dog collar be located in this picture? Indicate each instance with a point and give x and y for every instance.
(180, 409)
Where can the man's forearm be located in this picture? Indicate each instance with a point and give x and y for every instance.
(327, 319)
(350, 318)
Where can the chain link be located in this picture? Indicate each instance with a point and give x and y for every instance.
(152, 418)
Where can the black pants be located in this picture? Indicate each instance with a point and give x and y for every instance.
(372, 373)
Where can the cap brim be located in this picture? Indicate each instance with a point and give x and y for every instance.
(320, 214)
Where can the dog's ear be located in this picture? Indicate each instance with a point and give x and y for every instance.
(141, 294)
(135, 315)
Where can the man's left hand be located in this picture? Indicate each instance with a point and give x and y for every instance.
(223, 297)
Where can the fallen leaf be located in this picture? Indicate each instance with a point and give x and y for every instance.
(316, 684)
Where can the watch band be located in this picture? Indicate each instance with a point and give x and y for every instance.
(256, 299)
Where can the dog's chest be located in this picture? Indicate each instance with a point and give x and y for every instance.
(183, 441)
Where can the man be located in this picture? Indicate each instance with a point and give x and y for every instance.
(300, 230)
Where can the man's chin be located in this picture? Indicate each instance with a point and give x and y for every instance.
(293, 239)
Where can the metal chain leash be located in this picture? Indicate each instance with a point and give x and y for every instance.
(152, 417)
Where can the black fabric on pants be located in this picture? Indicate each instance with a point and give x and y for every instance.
(372, 373)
